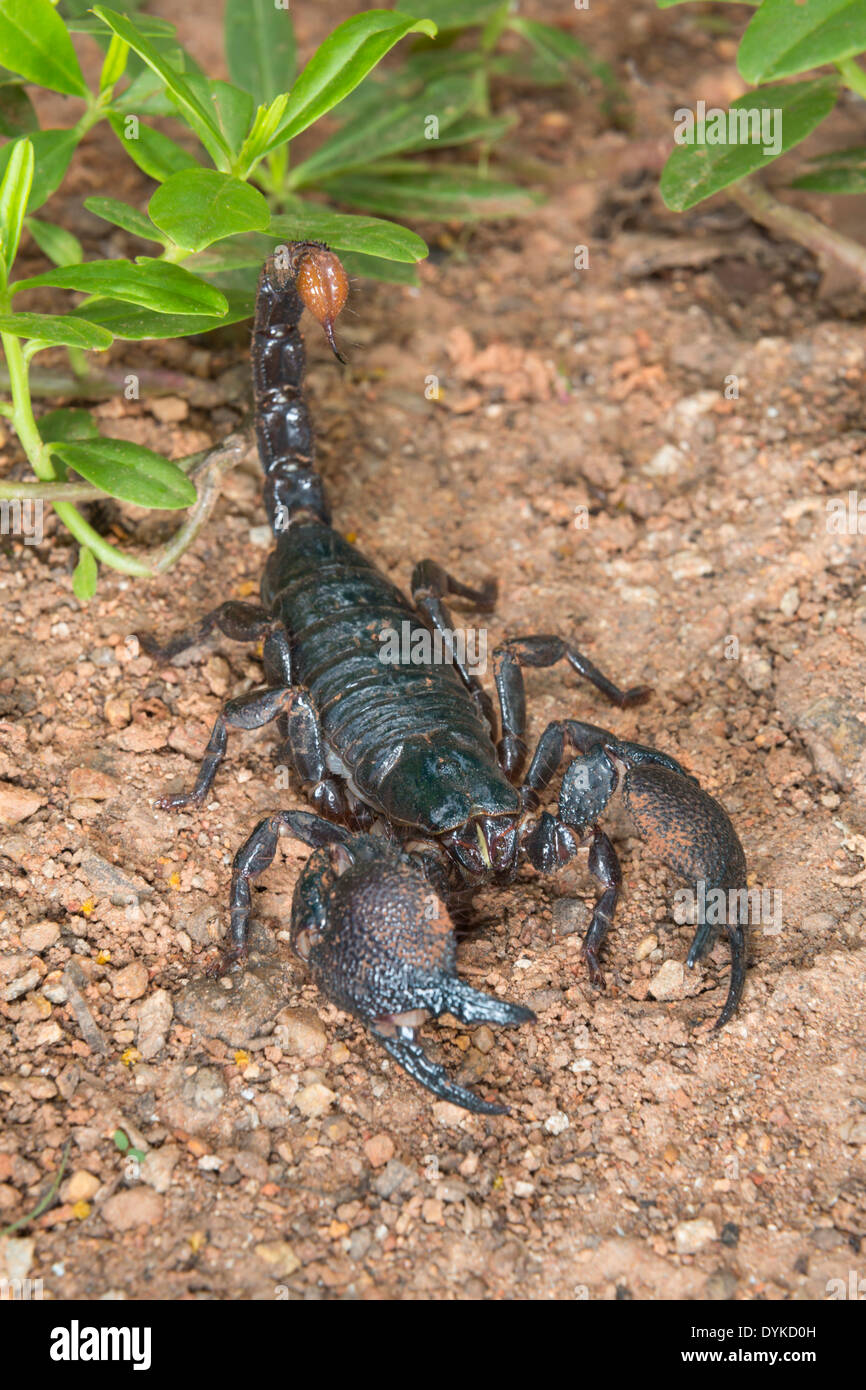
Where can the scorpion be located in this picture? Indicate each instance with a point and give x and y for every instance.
(415, 798)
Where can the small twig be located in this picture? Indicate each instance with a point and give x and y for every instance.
(98, 386)
(74, 983)
(208, 475)
(46, 1201)
(798, 226)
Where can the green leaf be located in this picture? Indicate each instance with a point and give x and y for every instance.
(472, 128)
(668, 4)
(195, 113)
(84, 578)
(374, 268)
(136, 324)
(121, 1140)
(59, 245)
(129, 472)
(148, 24)
(14, 193)
(122, 215)
(146, 94)
(262, 131)
(158, 156)
(695, 171)
(17, 116)
(455, 14)
(343, 60)
(234, 111)
(58, 330)
(52, 150)
(784, 38)
(250, 249)
(203, 206)
(843, 171)
(154, 284)
(64, 424)
(34, 43)
(345, 232)
(394, 128)
(561, 50)
(260, 47)
(446, 193)
(114, 65)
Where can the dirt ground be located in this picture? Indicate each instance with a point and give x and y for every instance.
(643, 451)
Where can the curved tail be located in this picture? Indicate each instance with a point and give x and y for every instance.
(304, 274)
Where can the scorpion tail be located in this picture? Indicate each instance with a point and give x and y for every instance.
(302, 274)
(414, 1060)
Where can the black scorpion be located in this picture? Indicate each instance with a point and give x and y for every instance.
(409, 750)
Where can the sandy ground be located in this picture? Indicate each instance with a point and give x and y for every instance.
(644, 452)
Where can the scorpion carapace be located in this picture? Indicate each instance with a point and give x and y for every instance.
(412, 746)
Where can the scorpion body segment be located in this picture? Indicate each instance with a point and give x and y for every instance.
(412, 746)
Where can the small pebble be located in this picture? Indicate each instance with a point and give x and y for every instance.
(669, 982)
(300, 1033)
(692, 1236)
(315, 1100)
(17, 804)
(139, 1206)
(557, 1123)
(279, 1256)
(40, 936)
(81, 1187)
(130, 982)
(379, 1149)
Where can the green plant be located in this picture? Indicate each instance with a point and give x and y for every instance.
(784, 39)
(438, 98)
(45, 1201)
(210, 217)
(194, 208)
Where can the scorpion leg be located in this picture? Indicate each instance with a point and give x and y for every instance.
(603, 865)
(430, 583)
(257, 854)
(250, 711)
(242, 622)
(306, 746)
(542, 651)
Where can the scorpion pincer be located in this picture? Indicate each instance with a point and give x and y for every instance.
(414, 746)
(377, 938)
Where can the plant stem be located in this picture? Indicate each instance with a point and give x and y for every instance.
(853, 76)
(39, 456)
(798, 226)
(22, 410)
(102, 549)
(46, 1201)
(78, 362)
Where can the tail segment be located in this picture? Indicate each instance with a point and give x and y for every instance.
(302, 274)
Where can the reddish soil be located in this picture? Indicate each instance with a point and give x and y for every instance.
(584, 448)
